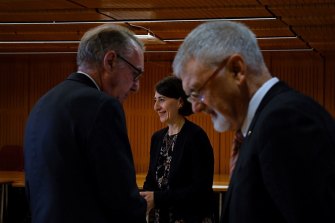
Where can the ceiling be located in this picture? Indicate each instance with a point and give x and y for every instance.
(54, 26)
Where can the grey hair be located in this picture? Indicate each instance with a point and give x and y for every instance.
(211, 42)
(97, 41)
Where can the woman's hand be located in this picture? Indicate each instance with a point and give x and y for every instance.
(149, 197)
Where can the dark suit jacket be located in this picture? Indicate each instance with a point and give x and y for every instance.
(191, 173)
(78, 162)
(286, 167)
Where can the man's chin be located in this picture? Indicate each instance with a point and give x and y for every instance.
(220, 129)
(220, 126)
(122, 98)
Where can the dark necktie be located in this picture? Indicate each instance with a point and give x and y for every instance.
(238, 139)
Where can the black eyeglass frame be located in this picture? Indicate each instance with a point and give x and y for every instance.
(139, 72)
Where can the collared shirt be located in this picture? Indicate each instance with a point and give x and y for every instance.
(254, 103)
(87, 75)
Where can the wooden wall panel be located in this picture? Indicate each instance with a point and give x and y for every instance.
(329, 87)
(13, 100)
(302, 71)
(46, 71)
(12, 127)
(226, 140)
(24, 78)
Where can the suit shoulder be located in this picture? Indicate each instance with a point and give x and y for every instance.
(191, 126)
(194, 132)
(159, 132)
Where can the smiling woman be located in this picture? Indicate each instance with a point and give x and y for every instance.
(178, 184)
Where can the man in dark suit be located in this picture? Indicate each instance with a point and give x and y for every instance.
(285, 170)
(78, 162)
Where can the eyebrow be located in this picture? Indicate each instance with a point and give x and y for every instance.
(160, 97)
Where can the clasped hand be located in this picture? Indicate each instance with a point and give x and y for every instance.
(149, 197)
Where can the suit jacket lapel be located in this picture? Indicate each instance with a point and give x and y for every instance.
(275, 90)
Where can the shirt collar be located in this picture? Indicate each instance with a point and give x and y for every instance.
(87, 75)
(254, 103)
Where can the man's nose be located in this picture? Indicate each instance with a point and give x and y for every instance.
(198, 107)
(136, 86)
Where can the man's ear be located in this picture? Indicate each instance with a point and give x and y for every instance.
(109, 60)
(237, 67)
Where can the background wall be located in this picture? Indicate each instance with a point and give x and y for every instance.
(24, 78)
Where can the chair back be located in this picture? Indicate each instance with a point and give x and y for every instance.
(11, 158)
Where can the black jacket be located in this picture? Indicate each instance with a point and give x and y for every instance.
(286, 167)
(191, 174)
(78, 162)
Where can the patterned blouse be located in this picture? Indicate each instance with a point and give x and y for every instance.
(162, 174)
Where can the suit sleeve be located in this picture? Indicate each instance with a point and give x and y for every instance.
(112, 164)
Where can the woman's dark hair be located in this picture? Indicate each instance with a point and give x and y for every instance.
(172, 87)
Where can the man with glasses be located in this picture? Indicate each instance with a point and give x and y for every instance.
(285, 168)
(78, 162)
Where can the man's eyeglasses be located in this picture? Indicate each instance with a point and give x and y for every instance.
(138, 72)
(195, 96)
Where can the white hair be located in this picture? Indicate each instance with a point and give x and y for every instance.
(98, 40)
(211, 42)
